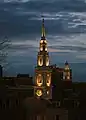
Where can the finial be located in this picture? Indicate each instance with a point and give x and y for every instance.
(66, 63)
(43, 29)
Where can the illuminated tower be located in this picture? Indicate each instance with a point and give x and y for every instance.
(43, 55)
(42, 81)
(67, 75)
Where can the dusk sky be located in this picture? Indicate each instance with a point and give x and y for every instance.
(65, 23)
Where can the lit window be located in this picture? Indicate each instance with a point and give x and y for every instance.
(41, 48)
(48, 82)
(39, 80)
(67, 67)
(63, 77)
(48, 92)
(47, 61)
(69, 73)
(40, 61)
(68, 77)
(45, 41)
(41, 41)
(46, 49)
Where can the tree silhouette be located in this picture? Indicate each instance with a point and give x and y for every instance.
(4, 47)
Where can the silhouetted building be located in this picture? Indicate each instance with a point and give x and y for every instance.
(57, 77)
(1, 71)
(23, 75)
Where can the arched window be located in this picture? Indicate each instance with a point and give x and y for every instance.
(39, 80)
(48, 81)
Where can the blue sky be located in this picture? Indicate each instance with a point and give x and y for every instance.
(65, 22)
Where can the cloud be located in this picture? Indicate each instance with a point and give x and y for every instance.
(64, 28)
(67, 22)
(20, 19)
(60, 50)
(18, 53)
(72, 48)
(71, 43)
(25, 43)
(23, 48)
(81, 56)
(48, 1)
(24, 1)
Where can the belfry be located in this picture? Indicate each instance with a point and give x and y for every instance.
(42, 81)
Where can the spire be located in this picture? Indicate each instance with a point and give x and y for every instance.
(43, 30)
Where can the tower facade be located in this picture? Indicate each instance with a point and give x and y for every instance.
(67, 74)
(42, 81)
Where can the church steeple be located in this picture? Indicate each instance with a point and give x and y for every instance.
(42, 80)
(43, 56)
(43, 30)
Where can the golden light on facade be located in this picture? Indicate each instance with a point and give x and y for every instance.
(41, 41)
(39, 93)
(48, 82)
(69, 73)
(47, 61)
(39, 80)
(63, 75)
(40, 61)
(67, 67)
(43, 72)
(45, 41)
(41, 48)
(68, 77)
(47, 92)
(46, 49)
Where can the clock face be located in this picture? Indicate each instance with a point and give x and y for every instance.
(39, 93)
